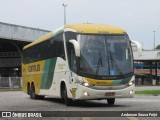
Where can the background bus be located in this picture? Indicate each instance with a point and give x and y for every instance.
(80, 62)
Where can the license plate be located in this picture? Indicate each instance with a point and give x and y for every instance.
(110, 94)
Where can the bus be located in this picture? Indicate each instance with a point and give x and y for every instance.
(80, 62)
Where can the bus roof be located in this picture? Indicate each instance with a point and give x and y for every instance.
(96, 28)
(82, 28)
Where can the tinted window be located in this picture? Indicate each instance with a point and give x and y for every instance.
(51, 48)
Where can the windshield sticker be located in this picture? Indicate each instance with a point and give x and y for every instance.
(112, 72)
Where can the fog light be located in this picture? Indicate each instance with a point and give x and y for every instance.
(86, 94)
(131, 92)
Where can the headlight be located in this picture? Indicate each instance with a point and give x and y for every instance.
(130, 83)
(86, 84)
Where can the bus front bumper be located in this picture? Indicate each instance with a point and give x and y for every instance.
(86, 93)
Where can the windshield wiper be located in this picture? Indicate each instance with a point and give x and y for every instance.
(99, 63)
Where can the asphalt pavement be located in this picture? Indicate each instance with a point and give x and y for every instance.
(19, 101)
(137, 88)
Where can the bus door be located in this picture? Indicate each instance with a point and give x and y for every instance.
(72, 62)
(73, 70)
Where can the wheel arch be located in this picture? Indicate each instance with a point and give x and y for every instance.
(62, 86)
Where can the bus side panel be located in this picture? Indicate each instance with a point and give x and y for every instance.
(32, 73)
(54, 73)
(25, 78)
(48, 73)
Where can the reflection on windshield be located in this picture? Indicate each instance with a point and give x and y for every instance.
(105, 55)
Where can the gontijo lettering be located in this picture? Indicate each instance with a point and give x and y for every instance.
(34, 68)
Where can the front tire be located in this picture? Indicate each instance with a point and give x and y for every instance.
(111, 101)
(67, 101)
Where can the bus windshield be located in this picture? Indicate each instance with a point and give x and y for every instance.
(105, 55)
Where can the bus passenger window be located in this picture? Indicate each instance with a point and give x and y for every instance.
(59, 44)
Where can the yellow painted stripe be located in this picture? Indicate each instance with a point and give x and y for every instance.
(99, 82)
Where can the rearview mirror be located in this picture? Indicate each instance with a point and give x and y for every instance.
(76, 47)
(139, 47)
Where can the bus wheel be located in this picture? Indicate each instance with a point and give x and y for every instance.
(32, 93)
(111, 101)
(65, 97)
(28, 89)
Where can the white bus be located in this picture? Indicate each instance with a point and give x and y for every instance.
(80, 62)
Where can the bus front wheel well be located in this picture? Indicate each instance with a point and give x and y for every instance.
(62, 88)
(64, 95)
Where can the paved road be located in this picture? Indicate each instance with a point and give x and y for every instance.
(19, 101)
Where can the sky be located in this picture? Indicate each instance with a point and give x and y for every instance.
(138, 17)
